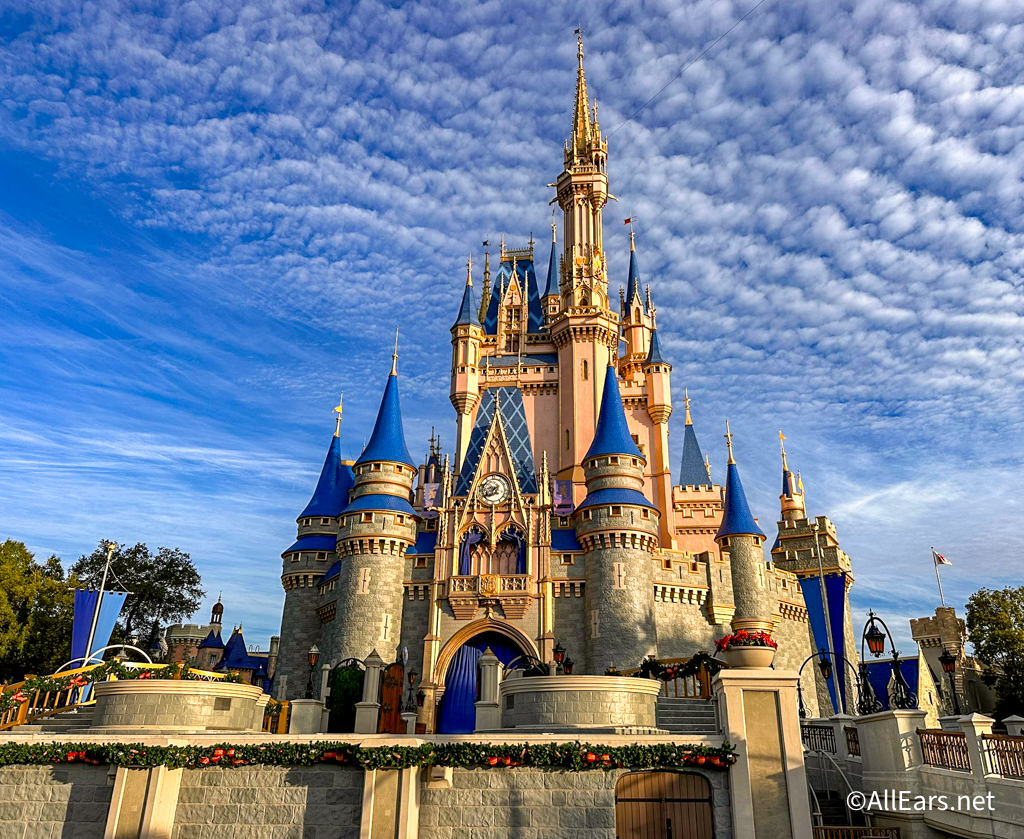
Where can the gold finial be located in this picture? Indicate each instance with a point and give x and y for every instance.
(686, 402)
(782, 445)
(111, 547)
(728, 441)
(632, 241)
(707, 465)
(337, 419)
(394, 356)
(554, 227)
(469, 270)
(579, 44)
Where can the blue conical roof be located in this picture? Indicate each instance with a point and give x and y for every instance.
(787, 483)
(534, 311)
(612, 435)
(693, 471)
(737, 519)
(212, 640)
(387, 442)
(552, 285)
(633, 284)
(654, 355)
(467, 311)
(331, 494)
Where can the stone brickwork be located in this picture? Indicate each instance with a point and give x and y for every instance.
(40, 802)
(537, 804)
(590, 707)
(300, 630)
(178, 704)
(755, 603)
(269, 802)
(684, 630)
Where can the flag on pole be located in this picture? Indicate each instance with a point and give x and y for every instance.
(628, 221)
(939, 559)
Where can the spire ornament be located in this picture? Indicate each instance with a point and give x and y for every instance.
(394, 356)
(686, 402)
(337, 409)
(728, 442)
(782, 445)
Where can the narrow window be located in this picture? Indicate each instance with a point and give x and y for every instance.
(586, 370)
(567, 438)
(367, 518)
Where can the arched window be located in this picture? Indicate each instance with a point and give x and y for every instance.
(676, 804)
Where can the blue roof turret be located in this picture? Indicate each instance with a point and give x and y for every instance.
(467, 311)
(737, 519)
(387, 442)
(212, 641)
(633, 283)
(552, 284)
(612, 435)
(693, 470)
(331, 494)
(654, 355)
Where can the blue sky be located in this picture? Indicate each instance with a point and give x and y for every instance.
(212, 215)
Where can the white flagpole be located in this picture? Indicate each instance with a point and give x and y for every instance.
(111, 547)
(938, 579)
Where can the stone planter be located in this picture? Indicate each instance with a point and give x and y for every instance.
(178, 704)
(578, 703)
(749, 658)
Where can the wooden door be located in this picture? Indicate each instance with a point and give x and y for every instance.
(390, 720)
(663, 805)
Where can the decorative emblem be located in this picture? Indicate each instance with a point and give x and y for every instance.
(495, 489)
(489, 584)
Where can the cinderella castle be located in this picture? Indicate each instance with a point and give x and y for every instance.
(558, 517)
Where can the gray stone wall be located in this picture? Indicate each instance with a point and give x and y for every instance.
(754, 601)
(43, 801)
(578, 708)
(300, 629)
(538, 804)
(684, 630)
(269, 802)
(202, 710)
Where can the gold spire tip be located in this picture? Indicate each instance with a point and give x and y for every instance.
(337, 409)
(469, 271)
(632, 241)
(394, 356)
(728, 441)
(782, 445)
(686, 402)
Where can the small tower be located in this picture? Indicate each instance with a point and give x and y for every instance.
(467, 335)
(618, 529)
(792, 497)
(217, 614)
(742, 538)
(305, 564)
(376, 530)
(637, 319)
(551, 288)
(658, 379)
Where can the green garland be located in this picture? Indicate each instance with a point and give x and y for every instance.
(9, 698)
(574, 756)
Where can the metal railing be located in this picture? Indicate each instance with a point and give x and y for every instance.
(856, 833)
(695, 686)
(819, 738)
(945, 749)
(852, 741)
(1003, 755)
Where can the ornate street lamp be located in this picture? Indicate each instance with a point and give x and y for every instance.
(825, 667)
(410, 698)
(948, 662)
(567, 666)
(559, 652)
(901, 695)
(312, 657)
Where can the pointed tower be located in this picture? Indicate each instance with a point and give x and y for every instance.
(305, 564)
(618, 529)
(584, 330)
(376, 529)
(742, 538)
(792, 497)
(693, 468)
(637, 320)
(467, 334)
(551, 294)
(658, 380)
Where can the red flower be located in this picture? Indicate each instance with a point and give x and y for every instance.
(218, 753)
(231, 752)
(72, 756)
(205, 761)
(493, 761)
(591, 757)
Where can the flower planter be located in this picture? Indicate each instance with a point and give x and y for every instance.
(749, 658)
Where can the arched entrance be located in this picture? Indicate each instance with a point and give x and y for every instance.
(675, 805)
(456, 712)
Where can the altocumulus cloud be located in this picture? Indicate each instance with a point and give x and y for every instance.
(829, 213)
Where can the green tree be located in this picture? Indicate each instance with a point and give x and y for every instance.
(165, 586)
(36, 609)
(995, 623)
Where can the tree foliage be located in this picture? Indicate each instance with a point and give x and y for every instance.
(36, 609)
(165, 585)
(995, 623)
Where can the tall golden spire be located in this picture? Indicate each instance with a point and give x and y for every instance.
(581, 113)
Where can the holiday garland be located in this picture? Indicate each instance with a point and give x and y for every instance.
(101, 673)
(574, 756)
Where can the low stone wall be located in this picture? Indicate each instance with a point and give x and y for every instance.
(38, 801)
(269, 801)
(178, 704)
(538, 803)
(559, 702)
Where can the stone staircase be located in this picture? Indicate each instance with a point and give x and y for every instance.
(67, 722)
(686, 716)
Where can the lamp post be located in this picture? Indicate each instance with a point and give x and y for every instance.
(559, 654)
(948, 662)
(312, 657)
(567, 666)
(825, 658)
(411, 700)
(900, 696)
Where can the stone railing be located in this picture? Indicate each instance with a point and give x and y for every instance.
(819, 738)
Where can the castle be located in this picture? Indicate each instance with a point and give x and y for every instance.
(558, 516)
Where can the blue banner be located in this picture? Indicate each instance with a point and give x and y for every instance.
(85, 608)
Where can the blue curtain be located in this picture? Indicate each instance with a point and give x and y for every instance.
(456, 713)
(466, 548)
(512, 535)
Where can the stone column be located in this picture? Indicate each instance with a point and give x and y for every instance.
(368, 711)
(839, 724)
(768, 784)
(325, 692)
(950, 722)
(1014, 726)
(306, 715)
(890, 753)
(974, 726)
(488, 712)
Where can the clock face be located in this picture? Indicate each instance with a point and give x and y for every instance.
(494, 489)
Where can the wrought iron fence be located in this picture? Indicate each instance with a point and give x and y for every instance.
(852, 741)
(819, 738)
(856, 833)
(945, 749)
(1004, 755)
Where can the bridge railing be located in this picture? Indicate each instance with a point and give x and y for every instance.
(1004, 755)
(945, 749)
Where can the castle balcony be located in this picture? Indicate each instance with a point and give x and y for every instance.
(512, 592)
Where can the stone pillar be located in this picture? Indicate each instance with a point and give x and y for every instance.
(325, 692)
(768, 784)
(143, 803)
(409, 718)
(488, 712)
(950, 722)
(306, 716)
(368, 711)
(890, 752)
(840, 723)
(974, 726)
(1014, 726)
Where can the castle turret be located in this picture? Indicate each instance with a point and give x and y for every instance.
(305, 563)
(467, 334)
(792, 497)
(376, 530)
(551, 294)
(693, 468)
(217, 614)
(618, 529)
(658, 379)
(637, 320)
(742, 538)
